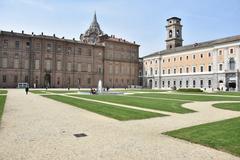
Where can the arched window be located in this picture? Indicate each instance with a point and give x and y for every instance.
(178, 33)
(232, 64)
(170, 34)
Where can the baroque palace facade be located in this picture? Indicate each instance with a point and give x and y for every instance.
(49, 61)
(211, 65)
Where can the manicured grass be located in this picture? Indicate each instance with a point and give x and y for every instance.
(119, 113)
(3, 91)
(190, 97)
(2, 102)
(62, 91)
(227, 93)
(228, 106)
(162, 105)
(222, 135)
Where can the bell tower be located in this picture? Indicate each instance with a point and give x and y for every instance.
(174, 33)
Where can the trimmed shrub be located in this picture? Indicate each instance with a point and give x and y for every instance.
(189, 90)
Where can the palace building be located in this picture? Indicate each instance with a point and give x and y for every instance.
(210, 65)
(50, 61)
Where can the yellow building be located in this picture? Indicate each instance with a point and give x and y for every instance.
(211, 65)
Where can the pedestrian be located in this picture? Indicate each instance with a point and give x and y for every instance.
(27, 89)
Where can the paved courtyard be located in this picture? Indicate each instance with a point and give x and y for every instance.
(38, 128)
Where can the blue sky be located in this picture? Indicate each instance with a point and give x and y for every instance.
(135, 20)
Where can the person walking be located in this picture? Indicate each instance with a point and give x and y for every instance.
(27, 89)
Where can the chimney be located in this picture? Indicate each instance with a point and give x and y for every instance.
(62, 37)
(74, 39)
(11, 31)
(42, 33)
(22, 31)
(134, 42)
(54, 35)
(32, 33)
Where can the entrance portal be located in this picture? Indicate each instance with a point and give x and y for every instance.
(47, 80)
(150, 83)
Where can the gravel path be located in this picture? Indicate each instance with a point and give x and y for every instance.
(37, 128)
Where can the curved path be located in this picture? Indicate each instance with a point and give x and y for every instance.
(37, 128)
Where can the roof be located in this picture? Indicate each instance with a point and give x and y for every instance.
(41, 36)
(197, 46)
(115, 39)
(174, 18)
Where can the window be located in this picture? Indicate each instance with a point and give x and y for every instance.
(151, 71)
(186, 83)
(28, 45)
(180, 58)
(116, 69)
(26, 64)
(169, 71)
(201, 69)
(209, 68)
(110, 69)
(220, 67)
(37, 64)
(180, 70)
(194, 83)
(170, 34)
(26, 78)
(156, 61)
(174, 83)
(48, 65)
(89, 68)
(174, 59)
(201, 83)
(59, 65)
(15, 78)
(79, 51)
(187, 70)
(201, 55)
(49, 46)
(79, 67)
(163, 84)
(17, 44)
(89, 52)
(209, 54)
(232, 64)
(16, 63)
(169, 60)
(4, 78)
(89, 80)
(187, 57)
(163, 71)
(69, 66)
(209, 83)
(38, 46)
(231, 50)
(174, 71)
(155, 84)
(180, 84)
(169, 83)
(194, 56)
(4, 63)
(5, 43)
(178, 33)
(150, 62)
(193, 69)
(163, 60)
(220, 52)
(155, 72)
(69, 50)
(99, 68)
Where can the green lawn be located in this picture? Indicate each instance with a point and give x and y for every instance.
(162, 105)
(222, 135)
(190, 97)
(2, 102)
(3, 91)
(229, 106)
(38, 91)
(119, 113)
